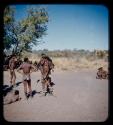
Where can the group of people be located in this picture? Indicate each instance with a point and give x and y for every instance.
(45, 66)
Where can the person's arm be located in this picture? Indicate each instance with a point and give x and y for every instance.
(51, 65)
(9, 64)
(19, 68)
(33, 68)
(38, 64)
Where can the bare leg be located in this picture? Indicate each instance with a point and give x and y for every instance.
(43, 85)
(46, 84)
(48, 81)
(25, 88)
(43, 82)
(14, 77)
(11, 76)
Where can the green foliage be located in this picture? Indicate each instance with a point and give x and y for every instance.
(22, 35)
(8, 21)
(8, 15)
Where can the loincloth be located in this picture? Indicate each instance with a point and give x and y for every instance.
(26, 77)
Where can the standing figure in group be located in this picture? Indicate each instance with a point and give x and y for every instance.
(45, 65)
(27, 68)
(12, 66)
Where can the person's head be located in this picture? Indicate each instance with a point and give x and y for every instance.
(13, 57)
(100, 69)
(26, 59)
(43, 55)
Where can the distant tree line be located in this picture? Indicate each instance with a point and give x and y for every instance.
(97, 54)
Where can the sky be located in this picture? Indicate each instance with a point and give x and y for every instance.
(73, 26)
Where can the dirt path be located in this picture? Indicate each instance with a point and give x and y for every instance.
(78, 97)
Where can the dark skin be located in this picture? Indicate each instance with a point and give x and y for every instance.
(12, 65)
(101, 74)
(45, 68)
(26, 71)
(11, 97)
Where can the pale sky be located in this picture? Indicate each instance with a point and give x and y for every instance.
(73, 26)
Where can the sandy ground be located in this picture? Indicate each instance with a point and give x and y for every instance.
(78, 97)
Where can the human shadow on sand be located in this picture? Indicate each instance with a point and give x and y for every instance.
(18, 83)
(7, 88)
(34, 92)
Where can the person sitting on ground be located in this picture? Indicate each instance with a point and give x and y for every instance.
(12, 97)
(102, 74)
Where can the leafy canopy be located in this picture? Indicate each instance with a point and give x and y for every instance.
(22, 35)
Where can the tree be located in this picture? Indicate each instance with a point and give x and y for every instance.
(8, 22)
(22, 35)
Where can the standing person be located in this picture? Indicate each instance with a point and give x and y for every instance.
(45, 65)
(27, 68)
(12, 66)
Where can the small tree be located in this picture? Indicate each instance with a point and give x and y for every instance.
(22, 35)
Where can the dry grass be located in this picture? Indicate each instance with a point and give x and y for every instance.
(75, 62)
(82, 63)
(63, 63)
